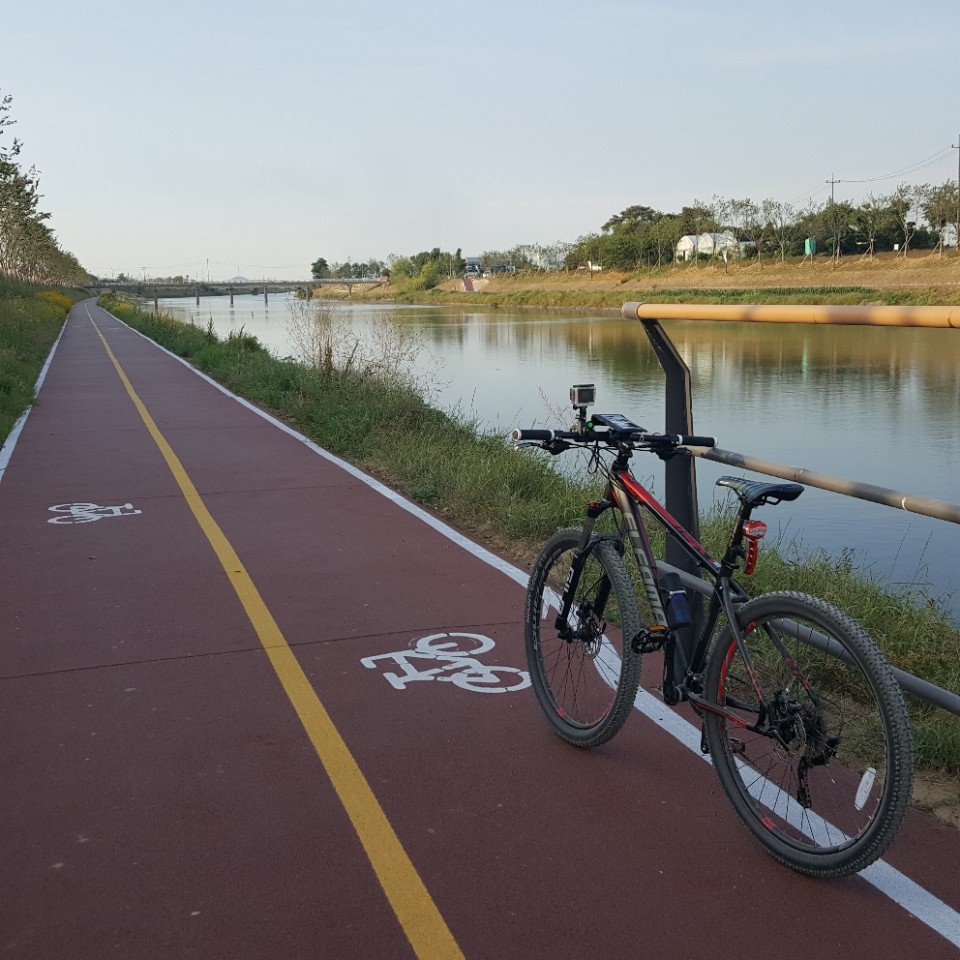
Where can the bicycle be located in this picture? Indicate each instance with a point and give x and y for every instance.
(799, 711)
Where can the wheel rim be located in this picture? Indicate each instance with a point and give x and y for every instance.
(578, 672)
(819, 785)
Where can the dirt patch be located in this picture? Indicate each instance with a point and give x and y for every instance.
(939, 795)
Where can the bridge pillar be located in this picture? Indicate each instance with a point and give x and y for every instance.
(156, 301)
(264, 293)
(197, 292)
(231, 296)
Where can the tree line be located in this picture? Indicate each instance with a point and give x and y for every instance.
(422, 271)
(911, 217)
(28, 248)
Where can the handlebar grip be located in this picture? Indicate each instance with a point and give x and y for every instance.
(545, 435)
(697, 441)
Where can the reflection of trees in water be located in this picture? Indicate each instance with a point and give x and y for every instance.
(879, 365)
(885, 367)
(893, 367)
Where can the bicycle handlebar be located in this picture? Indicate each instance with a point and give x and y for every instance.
(612, 436)
(695, 441)
(543, 435)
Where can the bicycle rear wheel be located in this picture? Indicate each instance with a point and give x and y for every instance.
(586, 673)
(825, 782)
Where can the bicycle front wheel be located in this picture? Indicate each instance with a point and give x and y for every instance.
(585, 671)
(815, 751)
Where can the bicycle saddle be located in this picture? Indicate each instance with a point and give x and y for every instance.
(753, 493)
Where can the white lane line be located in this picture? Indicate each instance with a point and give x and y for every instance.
(906, 893)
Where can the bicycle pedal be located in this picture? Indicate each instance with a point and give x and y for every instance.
(650, 639)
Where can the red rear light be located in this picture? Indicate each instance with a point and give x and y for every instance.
(754, 531)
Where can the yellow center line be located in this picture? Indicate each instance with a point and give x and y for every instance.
(425, 928)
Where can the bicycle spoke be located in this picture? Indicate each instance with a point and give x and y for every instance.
(811, 779)
(585, 694)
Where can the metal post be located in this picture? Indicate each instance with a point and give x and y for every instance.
(681, 472)
(680, 495)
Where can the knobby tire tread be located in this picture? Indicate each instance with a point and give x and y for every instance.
(899, 774)
(628, 680)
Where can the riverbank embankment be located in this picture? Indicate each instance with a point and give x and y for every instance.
(921, 279)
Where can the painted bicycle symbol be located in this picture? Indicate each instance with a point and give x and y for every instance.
(88, 512)
(452, 658)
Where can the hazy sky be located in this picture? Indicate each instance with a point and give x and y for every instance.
(260, 136)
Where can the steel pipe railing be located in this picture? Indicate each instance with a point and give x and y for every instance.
(681, 478)
(938, 509)
(915, 686)
(792, 313)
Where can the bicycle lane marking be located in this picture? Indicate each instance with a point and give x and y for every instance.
(409, 898)
(929, 909)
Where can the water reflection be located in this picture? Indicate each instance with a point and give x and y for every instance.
(869, 403)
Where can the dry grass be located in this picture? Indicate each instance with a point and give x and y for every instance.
(882, 272)
(921, 278)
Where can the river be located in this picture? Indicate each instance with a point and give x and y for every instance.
(875, 404)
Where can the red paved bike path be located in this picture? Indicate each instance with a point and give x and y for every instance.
(160, 797)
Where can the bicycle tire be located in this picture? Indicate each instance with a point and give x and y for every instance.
(828, 798)
(586, 686)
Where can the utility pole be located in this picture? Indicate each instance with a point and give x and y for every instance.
(956, 226)
(832, 181)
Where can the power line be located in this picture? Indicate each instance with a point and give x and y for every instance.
(930, 161)
(912, 168)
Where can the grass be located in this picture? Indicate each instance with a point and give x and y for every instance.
(921, 279)
(30, 322)
(514, 500)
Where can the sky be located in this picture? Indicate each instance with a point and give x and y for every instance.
(214, 139)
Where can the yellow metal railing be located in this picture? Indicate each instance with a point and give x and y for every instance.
(680, 473)
(792, 313)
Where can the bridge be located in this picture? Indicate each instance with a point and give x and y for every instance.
(154, 289)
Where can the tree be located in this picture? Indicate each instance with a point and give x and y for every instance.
(837, 219)
(750, 221)
(320, 269)
(28, 247)
(632, 215)
(939, 206)
(781, 217)
(696, 220)
(665, 235)
(870, 218)
(719, 210)
(901, 202)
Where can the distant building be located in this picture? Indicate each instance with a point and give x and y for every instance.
(712, 245)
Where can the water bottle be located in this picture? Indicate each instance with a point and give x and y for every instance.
(674, 599)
